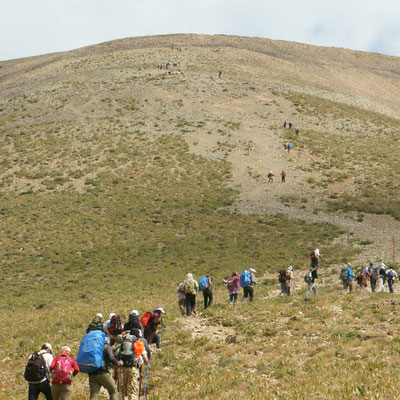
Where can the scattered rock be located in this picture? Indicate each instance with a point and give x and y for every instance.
(231, 339)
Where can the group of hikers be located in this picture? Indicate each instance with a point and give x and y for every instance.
(271, 175)
(289, 125)
(111, 353)
(189, 288)
(378, 276)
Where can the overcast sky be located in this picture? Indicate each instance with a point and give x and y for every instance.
(32, 27)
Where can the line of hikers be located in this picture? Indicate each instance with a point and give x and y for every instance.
(188, 289)
(111, 353)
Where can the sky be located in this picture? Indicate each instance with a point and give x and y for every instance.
(33, 27)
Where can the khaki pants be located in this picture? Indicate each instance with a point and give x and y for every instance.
(96, 381)
(61, 391)
(130, 381)
(348, 284)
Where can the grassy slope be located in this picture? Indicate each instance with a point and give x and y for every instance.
(103, 208)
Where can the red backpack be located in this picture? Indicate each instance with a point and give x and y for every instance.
(62, 370)
(146, 318)
(115, 325)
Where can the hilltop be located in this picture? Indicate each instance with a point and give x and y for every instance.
(111, 166)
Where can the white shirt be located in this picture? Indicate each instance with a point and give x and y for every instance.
(48, 359)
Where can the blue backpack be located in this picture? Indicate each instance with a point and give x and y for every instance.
(90, 353)
(245, 279)
(203, 283)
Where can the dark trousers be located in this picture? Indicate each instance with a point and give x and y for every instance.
(208, 297)
(190, 303)
(390, 283)
(373, 283)
(157, 340)
(248, 291)
(233, 297)
(36, 388)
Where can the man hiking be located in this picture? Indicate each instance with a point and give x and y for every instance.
(270, 177)
(133, 324)
(248, 291)
(315, 257)
(391, 275)
(150, 331)
(310, 278)
(345, 276)
(285, 278)
(95, 323)
(373, 274)
(37, 373)
(190, 287)
(206, 286)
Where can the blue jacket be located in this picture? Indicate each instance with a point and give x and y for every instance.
(351, 275)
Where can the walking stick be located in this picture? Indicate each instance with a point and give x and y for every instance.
(322, 287)
(145, 381)
(216, 296)
(140, 380)
(121, 378)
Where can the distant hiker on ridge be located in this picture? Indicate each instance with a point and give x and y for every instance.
(270, 177)
(283, 176)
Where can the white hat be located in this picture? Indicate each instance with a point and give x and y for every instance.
(136, 312)
(290, 268)
(160, 309)
(111, 315)
(99, 315)
(48, 346)
(66, 348)
(252, 270)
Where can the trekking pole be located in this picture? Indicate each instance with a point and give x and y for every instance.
(121, 377)
(216, 296)
(322, 287)
(140, 380)
(145, 381)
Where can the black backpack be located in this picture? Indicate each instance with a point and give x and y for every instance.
(282, 276)
(35, 369)
(95, 324)
(115, 325)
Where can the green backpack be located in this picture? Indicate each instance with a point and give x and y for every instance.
(344, 274)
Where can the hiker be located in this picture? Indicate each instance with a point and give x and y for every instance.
(315, 256)
(181, 299)
(361, 277)
(133, 324)
(115, 343)
(270, 177)
(206, 286)
(285, 276)
(391, 275)
(284, 123)
(37, 373)
(150, 331)
(248, 290)
(113, 326)
(102, 377)
(283, 176)
(290, 125)
(380, 283)
(95, 323)
(289, 146)
(190, 287)
(310, 278)
(219, 74)
(233, 287)
(132, 353)
(373, 274)
(64, 369)
(297, 131)
(345, 275)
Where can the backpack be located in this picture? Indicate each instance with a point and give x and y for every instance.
(63, 370)
(188, 286)
(35, 370)
(126, 351)
(146, 318)
(308, 277)
(375, 273)
(245, 279)
(90, 353)
(230, 284)
(115, 325)
(363, 271)
(94, 324)
(203, 283)
(344, 274)
(389, 275)
(282, 276)
(312, 255)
